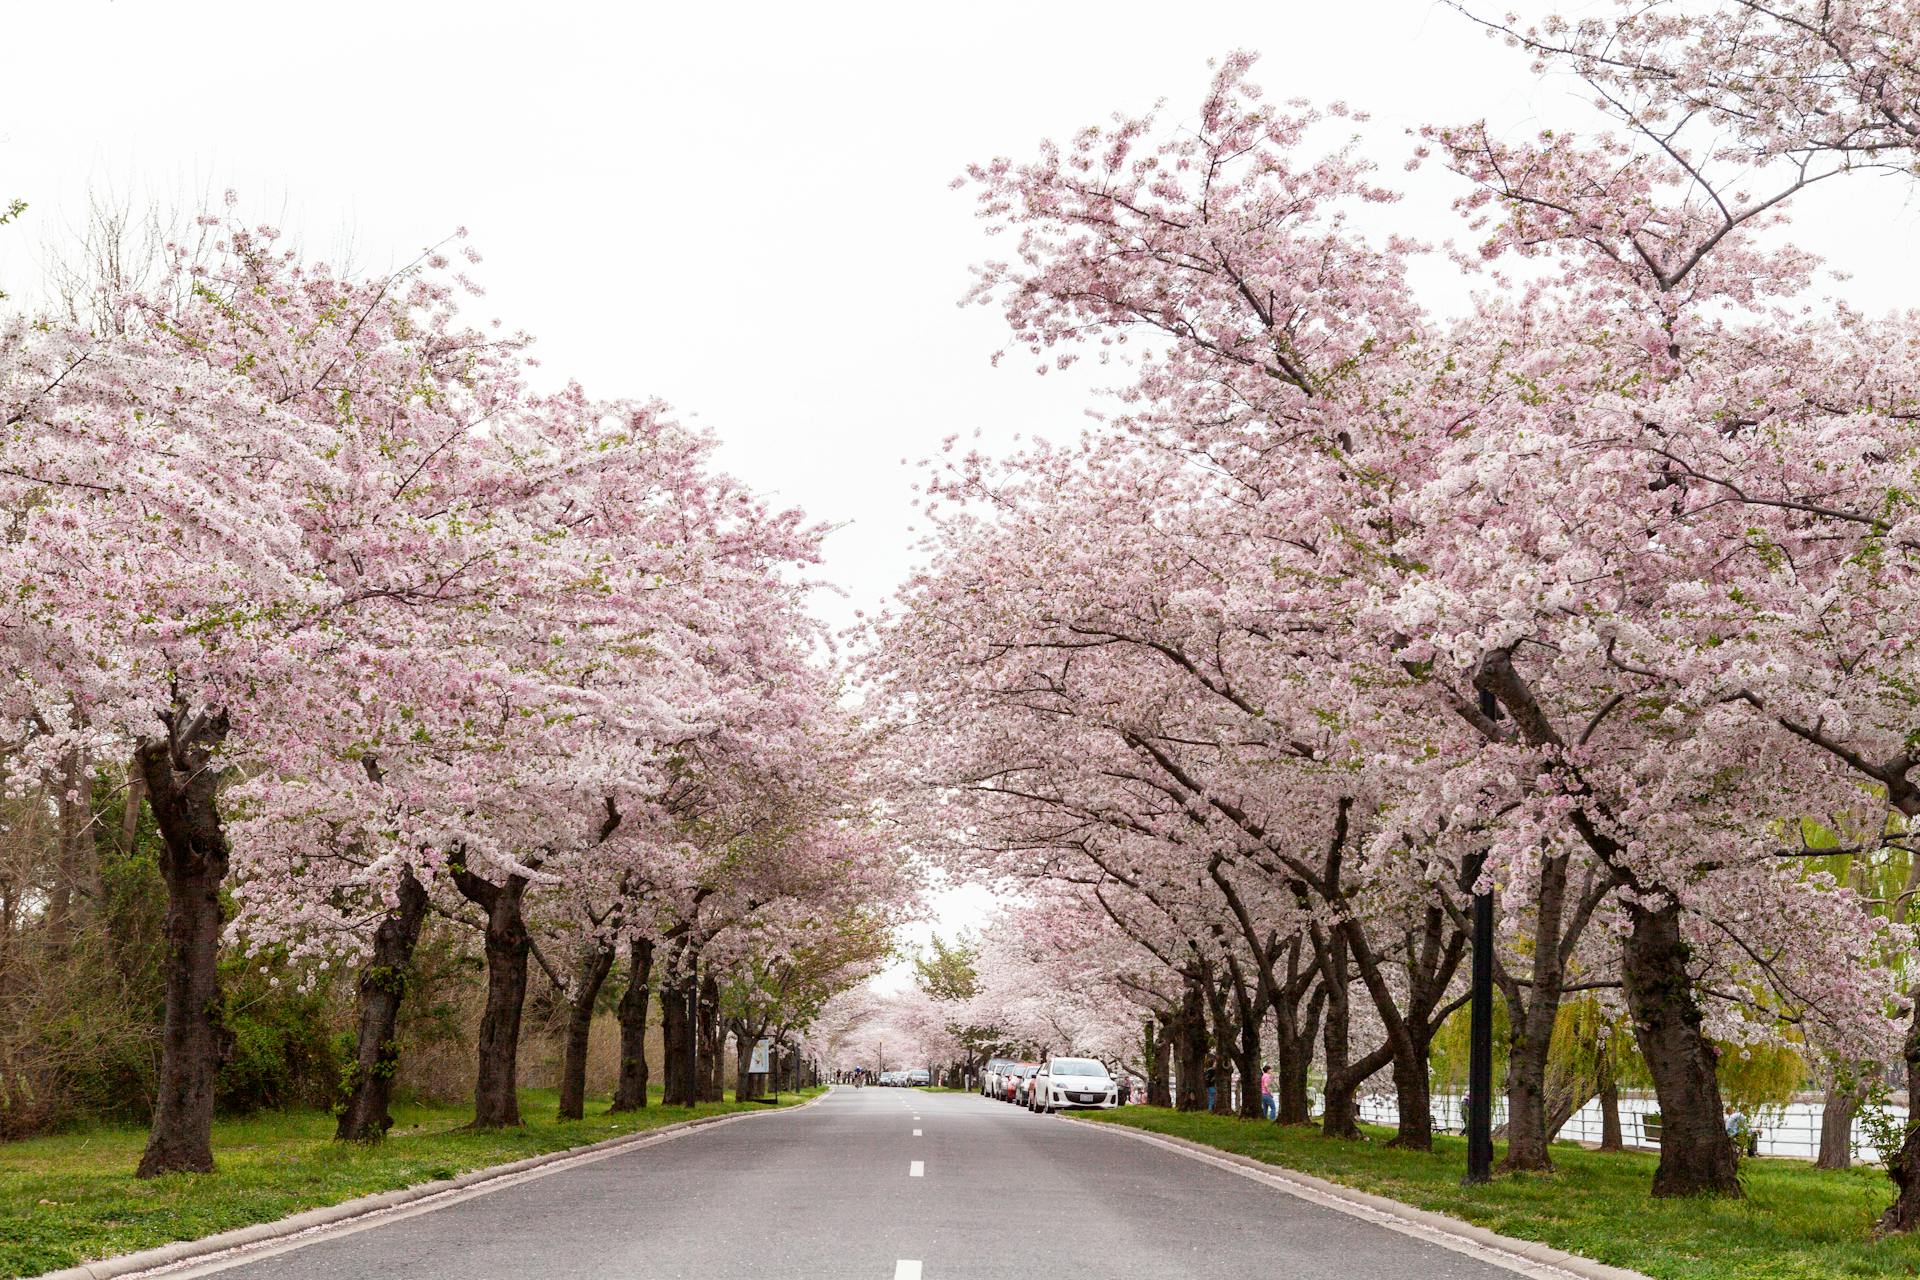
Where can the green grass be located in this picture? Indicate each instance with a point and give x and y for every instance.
(73, 1197)
(1796, 1222)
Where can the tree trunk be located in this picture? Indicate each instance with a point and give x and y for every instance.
(1341, 1117)
(1903, 1215)
(496, 1096)
(1696, 1156)
(1903, 1166)
(383, 985)
(1248, 1063)
(75, 883)
(130, 808)
(182, 783)
(1160, 1065)
(1413, 1093)
(1294, 1059)
(675, 1027)
(594, 968)
(1610, 1137)
(630, 1092)
(1533, 1010)
(747, 1083)
(1190, 1043)
(1567, 1102)
(1220, 1054)
(1530, 1040)
(1836, 1123)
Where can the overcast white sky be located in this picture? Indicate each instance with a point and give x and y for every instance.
(741, 208)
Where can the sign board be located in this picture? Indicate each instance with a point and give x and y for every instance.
(762, 1052)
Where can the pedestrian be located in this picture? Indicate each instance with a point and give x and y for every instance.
(1740, 1130)
(1210, 1076)
(1268, 1107)
(1125, 1093)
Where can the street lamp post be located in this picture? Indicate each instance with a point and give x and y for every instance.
(693, 1033)
(1480, 1024)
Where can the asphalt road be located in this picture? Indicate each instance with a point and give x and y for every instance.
(869, 1183)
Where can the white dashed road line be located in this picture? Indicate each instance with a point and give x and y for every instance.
(916, 1133)
(906, 1269)
(918, 1169)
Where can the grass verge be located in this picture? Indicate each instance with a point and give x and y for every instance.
(73, 1197)
(1796, 1222)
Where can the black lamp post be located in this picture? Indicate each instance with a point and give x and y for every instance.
(693, 1033)
(1480, 1025)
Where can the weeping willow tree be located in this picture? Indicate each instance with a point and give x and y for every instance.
(1882, 869)
(1593, 1056)
(1587, 1037)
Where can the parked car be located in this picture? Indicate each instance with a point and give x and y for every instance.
(1023, 1083)
(1010, 1081)
(990, 1076)
(919, 1077)
(891, 1079)
(1061, 1084)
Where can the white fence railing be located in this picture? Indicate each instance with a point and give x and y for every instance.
(1792, 1130)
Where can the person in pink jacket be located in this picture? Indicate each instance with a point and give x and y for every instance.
(1268, 1107)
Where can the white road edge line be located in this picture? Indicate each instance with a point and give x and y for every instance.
(244, 1255)
(918, 1169)
(1419, 1231)
(906, 1269)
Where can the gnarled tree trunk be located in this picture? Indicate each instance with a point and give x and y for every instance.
(1247, 1063)
(1533, 1010)
(1159, 1047)
(594, 968)
(747, 1083)
(1836, 1124)
(364, 1113)
(630, 1091)
(1696, 1156)
(1190, 1047)
(1413, 1092)
(496, 1095)
(675, 1028)
(1341, 1117)
(1220, 1055)
(1903, 1165)
(1297, 1023)
(182, 782)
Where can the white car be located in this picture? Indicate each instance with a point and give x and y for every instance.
(1071, 1083)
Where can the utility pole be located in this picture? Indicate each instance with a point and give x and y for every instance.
(1480, 1025)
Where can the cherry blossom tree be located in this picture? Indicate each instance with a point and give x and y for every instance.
(1456, 496)
(439, 639)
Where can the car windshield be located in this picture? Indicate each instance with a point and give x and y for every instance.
(1077, 1067)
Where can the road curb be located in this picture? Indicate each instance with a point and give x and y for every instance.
(180, 1251)
(1526, 1256)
